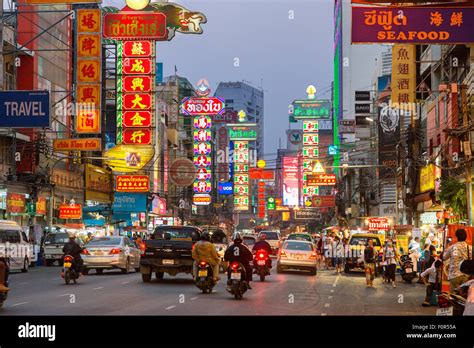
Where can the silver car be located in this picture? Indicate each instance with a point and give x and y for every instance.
(296, 254)
(111, 253)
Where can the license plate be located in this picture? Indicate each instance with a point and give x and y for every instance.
(99, 253)
(444, 312)
(67, 264)
(297, 256)
(261, 262)
(202, 273)
(235, 276)
(168, 262)
(409, 270)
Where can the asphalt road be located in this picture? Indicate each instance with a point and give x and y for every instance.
(43, 292)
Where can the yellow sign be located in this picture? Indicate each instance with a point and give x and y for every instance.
(285, 216)
(402, 244)
(88, 45)
(98, 184)
(129, 158)
(82, 144)
(403, 75)
(318, 167)
(261, 163)
(88, 20)
(427, 178)
(88, 121)
(88, 94)
(88, 70)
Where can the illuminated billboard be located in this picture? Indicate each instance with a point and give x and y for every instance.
(290, 181)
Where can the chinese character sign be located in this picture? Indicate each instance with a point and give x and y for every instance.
(403, 74)
(241, 175)
(202, 158)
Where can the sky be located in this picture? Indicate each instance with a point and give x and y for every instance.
(283, 54)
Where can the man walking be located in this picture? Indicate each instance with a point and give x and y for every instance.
(369, 263)
(456, 254)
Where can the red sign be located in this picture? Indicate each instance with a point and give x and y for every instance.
(138, 66)
(182, 172)
(202, 106)
(137, 48)
(137, 101)
(70, 211)
(15, 203)
(324, 201)
(41, 206)
(132, 183)
(378, 224)
(137, 136)
(136, 119)
(135, 26)
(320, 179)
(135, 83)
(261, 174)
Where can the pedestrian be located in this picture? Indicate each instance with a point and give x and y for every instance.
(434, 274)
(328, 252)
(415, 244)
(338, 249)
(370, 255)
(457, 253)
(390, 259)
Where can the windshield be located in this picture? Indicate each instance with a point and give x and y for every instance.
(298, 246)
(362, 241)
(105, 241)
(169, 233)
(10, 236)
(271, 235)
(219, 237)
(300, 237)
(56, 238)
(248, 240)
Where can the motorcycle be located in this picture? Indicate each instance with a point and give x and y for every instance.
(408, 274)
(450, 304)
(205, 277)
(260, 263)
(69, 272)
(237, 284)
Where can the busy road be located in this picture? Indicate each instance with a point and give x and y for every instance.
(41, 291)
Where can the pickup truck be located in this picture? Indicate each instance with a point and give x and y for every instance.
(168, 251)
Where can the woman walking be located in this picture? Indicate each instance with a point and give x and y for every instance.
(390, 259)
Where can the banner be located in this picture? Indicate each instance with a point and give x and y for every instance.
(427, 178)
(129, 202)
(389, 134)
(427, 25)
(290, 181)
(132, 183)
(70, 211)
(24, 109)
(403, 76)
(15, 203)
(83, 144)
(41, 206)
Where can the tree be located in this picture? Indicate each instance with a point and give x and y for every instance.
(453, 195)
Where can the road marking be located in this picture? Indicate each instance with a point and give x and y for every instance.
(170, 307)
(64, 295)
(332, 290)
(18, 304)
(329, 297)
(323, 314)
(99, 288)
(193, 298)
(125, 282)
(334, 285)
(23, 283)
(327, 305)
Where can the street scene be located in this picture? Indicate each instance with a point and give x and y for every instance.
(255, 158)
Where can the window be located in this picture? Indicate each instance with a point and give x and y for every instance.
(229, 101)
(105, 241)
(298, 246)
(431, 147)
(171, 233)
(9, 236)
(271, 235)
(56, 238)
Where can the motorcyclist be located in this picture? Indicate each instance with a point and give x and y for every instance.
(4, 270)
(74, 249)
(262, 244)
(204, 250)
(238, 252)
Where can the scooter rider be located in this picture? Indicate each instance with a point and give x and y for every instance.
(262, 244)
(74, 249)
(204, 250)
(238, 252)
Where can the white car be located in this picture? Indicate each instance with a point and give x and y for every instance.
(297, 254)
(272, 238)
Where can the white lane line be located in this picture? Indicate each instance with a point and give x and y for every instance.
(170, 307)
(99, 288)
(334, 285)
(64, 295)
(329, 297)
(332, 290)
(327, 305)
(323, 314)
(18, 304)
(193, 298)
(125, 282)
(23, 283)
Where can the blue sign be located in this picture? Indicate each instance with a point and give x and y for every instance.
(129, 202)
(159, 73)
(333, 150)
(24, 109)
(225, 188)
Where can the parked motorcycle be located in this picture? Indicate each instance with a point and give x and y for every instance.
(69, 272)
(237, 284)
(408, 273)
(260, 264)
(205, 277)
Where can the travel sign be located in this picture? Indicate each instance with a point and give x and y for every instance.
(311, 109)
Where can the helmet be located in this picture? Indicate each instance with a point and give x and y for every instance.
(72, 237)
(206, 236)
(237, 238)
(262, 236)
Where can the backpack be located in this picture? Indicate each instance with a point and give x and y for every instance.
(369, 255)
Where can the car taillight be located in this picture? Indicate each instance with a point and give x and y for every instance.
(313, 256)
(115, 251)
(142, 247)
(261, 256)
(68, 259)
(234, 266)
(282, 253)
(85, 252)
(442, 301)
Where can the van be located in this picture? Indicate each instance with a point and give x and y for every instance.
(53, 247)
(15, 245)
(357, 243)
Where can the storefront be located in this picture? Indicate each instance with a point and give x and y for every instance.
(68, 189)
(128, 210)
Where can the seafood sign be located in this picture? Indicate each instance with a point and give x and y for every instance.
(135, 26)
(202, 106)
(429, 25)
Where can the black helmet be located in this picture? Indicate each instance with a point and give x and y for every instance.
(206, 236)
(237, 238)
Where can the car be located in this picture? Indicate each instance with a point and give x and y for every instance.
(357, 243)
(297, 254)
(220, 241)
(169, 251)
(111, 252)
(273, 238)
(300, 236)
(20, 249)
(249, 241)
(53, 246)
